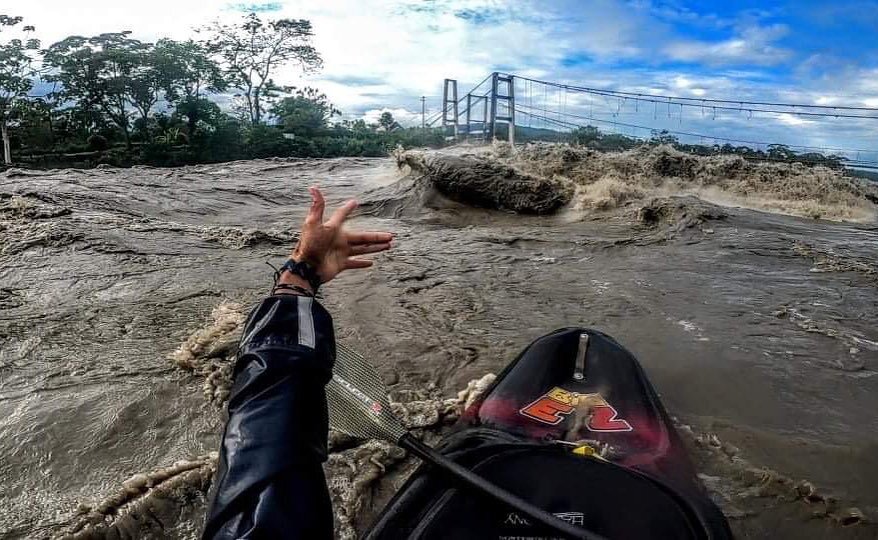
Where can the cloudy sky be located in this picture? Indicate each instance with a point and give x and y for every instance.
(385, 54)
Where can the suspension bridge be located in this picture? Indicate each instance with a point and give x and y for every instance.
(509, 106)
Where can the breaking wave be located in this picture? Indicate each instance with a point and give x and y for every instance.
(609, 180)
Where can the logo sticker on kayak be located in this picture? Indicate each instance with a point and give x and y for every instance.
(557, 404)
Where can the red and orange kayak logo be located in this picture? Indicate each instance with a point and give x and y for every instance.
(557, 404)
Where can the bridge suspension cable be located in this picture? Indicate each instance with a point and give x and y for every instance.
(563, 124)
(558, 107)
(685, 133)
(831, 111)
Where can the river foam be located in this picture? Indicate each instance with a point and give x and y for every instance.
(607, 180)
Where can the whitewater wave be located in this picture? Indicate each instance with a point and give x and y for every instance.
(610, 180)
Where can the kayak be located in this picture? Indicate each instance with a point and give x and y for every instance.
(574, 427)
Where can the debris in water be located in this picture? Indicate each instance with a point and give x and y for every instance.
(351, 476)
(855, 341)
(210, 351)
(29, 208)
(848, 516)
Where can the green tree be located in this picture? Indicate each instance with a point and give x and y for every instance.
(146, 81)
(586, 135)
(780, 152)
(664, 137)
(252, 51)
(198, 114)
(35, 124)
(16, 77)
(386, 121)
(306, 113)
(357, 126)
(74, 70)
(188, 75)
(104, 72)
(189, 71)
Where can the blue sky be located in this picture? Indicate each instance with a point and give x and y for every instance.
(385, 54)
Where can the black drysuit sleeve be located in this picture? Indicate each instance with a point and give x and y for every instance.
(269, 481)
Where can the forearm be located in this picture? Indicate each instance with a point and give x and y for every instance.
(275, 439)
(269, 481)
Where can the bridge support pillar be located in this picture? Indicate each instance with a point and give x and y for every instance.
(449, 105)
(469, 109)
(503, 103)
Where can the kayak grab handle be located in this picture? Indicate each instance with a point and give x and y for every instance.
(579, 368)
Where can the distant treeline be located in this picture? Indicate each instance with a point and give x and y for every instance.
(593, 137)
(117, 100)
(229, 141)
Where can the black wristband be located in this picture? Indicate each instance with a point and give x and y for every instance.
(295, 288)
(304, 270)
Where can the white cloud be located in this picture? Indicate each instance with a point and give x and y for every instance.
(793, 120)
(828, 100)
(751, 45)
(610, 30)
(404, 117)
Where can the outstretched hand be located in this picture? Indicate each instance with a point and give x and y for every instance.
(331, 249)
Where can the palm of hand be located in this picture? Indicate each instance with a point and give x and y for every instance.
(336, 255)
(329, 247)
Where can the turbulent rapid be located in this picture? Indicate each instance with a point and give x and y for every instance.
(123, 292)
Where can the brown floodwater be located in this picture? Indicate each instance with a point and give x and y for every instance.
(760, 331)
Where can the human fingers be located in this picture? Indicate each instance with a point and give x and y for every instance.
(351, 264)
(368, 237)
(318, 204)
(363, 249)
(342, 213)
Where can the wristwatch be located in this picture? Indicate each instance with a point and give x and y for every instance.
(304, 270)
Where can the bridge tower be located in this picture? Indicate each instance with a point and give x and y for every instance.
(449, 104)
(503, 103)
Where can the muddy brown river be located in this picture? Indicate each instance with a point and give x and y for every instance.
(759, 330)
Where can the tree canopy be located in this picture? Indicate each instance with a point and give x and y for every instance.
(386, 121)
(251, 51)
(307, 112)
(16, 74)
(109, 73)
(113, 98)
